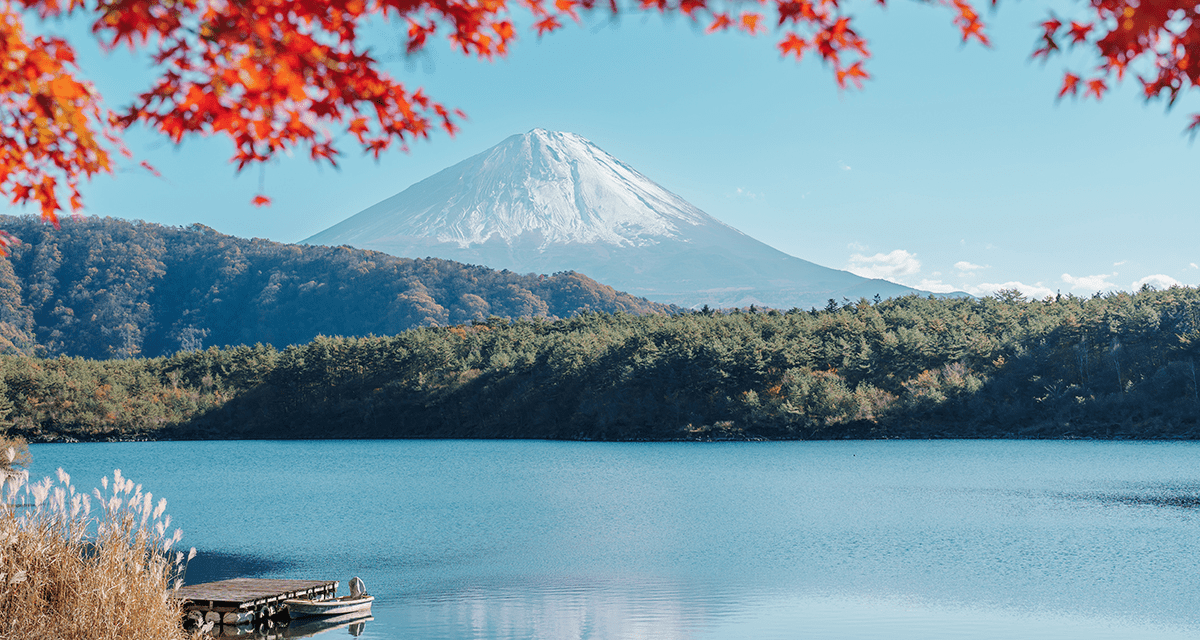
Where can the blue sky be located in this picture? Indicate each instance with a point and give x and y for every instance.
(955, 168)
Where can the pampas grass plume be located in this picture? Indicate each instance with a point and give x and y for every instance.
(68, 575)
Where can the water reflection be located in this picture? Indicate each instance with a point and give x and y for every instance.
(561, 609)
(354, 624)
(610, 615)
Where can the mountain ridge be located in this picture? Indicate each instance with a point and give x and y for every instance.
(103, 287)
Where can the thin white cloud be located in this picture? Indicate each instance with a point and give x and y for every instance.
(843, 166)
(857, 247)
(746, 193)
(889, 266)
(1117, 264)
(1090, 283)
(1158, 281)
(1193, 265)
(936, 286)
(968, 269)
(1031, 291)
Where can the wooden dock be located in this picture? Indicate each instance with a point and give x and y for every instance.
(243, 600)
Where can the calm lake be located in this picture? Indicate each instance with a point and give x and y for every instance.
(847, 540)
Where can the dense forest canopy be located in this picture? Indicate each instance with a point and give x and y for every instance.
(103, 287)
(1118, 366)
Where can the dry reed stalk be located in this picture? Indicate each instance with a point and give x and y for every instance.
(66, 574)
(14, 457)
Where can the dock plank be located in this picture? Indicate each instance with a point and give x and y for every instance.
(250, 593)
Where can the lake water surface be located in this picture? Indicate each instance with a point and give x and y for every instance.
(887, 540)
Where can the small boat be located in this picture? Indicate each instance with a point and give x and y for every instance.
(359, 601)
(311, 626)
(300, 608)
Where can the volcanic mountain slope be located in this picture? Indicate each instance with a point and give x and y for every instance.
(548, 201)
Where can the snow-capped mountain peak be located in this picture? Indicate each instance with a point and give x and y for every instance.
(554, 184)
(548, 201)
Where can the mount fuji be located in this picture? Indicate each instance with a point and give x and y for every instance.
(547, 201)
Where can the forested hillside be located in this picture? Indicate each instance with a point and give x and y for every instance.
(102, 288)
(1118, 366)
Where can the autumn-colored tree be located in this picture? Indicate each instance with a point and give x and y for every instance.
(276, 75)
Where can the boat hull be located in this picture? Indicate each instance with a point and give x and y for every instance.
(335, 607)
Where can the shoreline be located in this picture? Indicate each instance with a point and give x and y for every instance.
(751, 438)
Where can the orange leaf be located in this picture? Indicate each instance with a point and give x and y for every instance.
(968, 22)
(1079, 32)
(65, 88)
(793, 44)
(1070, 85)
(855, 73)
(567, 7)
(546, 25)
(749, 23)
(7, 241)
(720, 22)
(504, 30)
(261, 201)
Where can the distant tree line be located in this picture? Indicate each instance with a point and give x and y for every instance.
(108, 288)
(1114, 366)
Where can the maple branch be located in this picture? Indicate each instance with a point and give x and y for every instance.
(54, 127)
(275, 76)
(1160, 37)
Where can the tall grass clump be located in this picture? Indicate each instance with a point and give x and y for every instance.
(71, 572)
(14, 457)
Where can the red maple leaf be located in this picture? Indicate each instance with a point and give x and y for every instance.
(1194, 126)
(721, 22)
(275, 76)
(546, 25)
(149, 167)
(1079, 32)
(854, 73)
(1070, 85)
(7, 242)
(793, 44)
(749, 22)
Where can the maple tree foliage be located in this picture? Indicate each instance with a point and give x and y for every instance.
(276, 75)
(1158, 41)
(51, 124)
